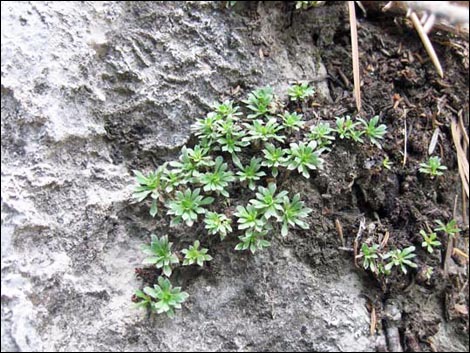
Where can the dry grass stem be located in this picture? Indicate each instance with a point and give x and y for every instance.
(427, 43)
(355, 54)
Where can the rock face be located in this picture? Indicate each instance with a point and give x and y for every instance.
(92, 90)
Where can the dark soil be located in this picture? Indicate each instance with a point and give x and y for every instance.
(402, 87)
(394, 66)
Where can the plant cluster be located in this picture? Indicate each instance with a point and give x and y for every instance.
(163, 298)
(430, 240)
(349, 129)
(301, 91)
(245, 147)
(381, 263)
(449, 228)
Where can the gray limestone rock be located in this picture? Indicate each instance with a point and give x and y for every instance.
(92, 90)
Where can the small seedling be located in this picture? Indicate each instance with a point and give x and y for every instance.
(300, 92)
(187, 206)
(322, 134)
(433, 167)
(250, 173)
(186, 166)
(429, 241)
(218, 179)
(194, 255)
(259, 102)
(167, 298)
(253, 240)
(264, 132)
(217, 223)
(304, 157)
(233, 143)
(429, 272)
(228, 127)
(370, 256)
(450, 228)
(227, 110)
(249, 218)
(172, 180)
(292, 214)
(160, 254)
(207, 129)
(401, 258)
(346, 128)
(374, 132)
(200, 157)
(386, 163)
(268, 202)
(273, 158)
(149, 185)
(292, 121)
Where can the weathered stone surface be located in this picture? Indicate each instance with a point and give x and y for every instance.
(91, 90)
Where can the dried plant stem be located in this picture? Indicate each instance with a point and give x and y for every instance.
(405, 148)
(362, 227)
(427, 43)
(461, 155)
(355, 54)
(373, 321)
(440, 15)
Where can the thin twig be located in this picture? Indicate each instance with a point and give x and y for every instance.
(345, 248)
(355, 54)
(465, 144)
(454, 213)
(385, 240)
(344, 78)
(459, 252)
(339, 229)
(427, 43)
(461, 155)
(462, 129)
(373, 321)
(433, 143)
(405, 149)
(362, 227)
(362, 8)
(464, 287)
(464, 207)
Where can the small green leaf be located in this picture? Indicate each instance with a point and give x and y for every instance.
(153, 208)
(194, 255)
